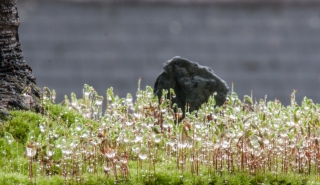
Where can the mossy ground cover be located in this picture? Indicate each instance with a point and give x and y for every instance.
(143, 141)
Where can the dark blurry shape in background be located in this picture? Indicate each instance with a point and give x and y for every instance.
(269, 47)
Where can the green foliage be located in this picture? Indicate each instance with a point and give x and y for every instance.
(21, 124)
(141, 142)
(13, 178)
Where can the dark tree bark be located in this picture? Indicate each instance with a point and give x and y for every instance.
(17, 83)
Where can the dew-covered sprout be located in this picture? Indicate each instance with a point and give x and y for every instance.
(251, 136)
(31, 150)
(143, 153)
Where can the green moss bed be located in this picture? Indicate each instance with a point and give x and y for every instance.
(141, 141)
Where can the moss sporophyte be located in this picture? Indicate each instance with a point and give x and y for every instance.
(142, 141)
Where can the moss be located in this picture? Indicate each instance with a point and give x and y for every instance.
(59, 126)
(162, 178)
(21, 124)
(59, 113)
(13, 178)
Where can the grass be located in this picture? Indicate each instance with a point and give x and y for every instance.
(142, 142)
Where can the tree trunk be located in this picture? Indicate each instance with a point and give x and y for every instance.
(18, 88)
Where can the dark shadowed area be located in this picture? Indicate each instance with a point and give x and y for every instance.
(269, 48)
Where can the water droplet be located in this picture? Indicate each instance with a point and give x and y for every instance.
(42, 128)
(246, 125)
(78, 127)
(124, 160)
(232, 117)
(182, 144)
(254, 140)
(111, 153)
(143, 154)
(66, 151)
(74, 144)
(197, 126)
(84, 135)
(165, 125)
(136, 149)
(266, 141)
(290, 123)
(283, 133)
(138, 94)
(237, 109)
(149, 94)
(107, 169)
(157, 138)
(225, 144)
(98, 100)
(129, 98)
(9, 138)
(31, 150)
(9, 141)
(300, 154)
(138, 138)
(172, 141)
(50, 153)
(126, 140)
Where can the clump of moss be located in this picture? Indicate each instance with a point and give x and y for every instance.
(141, 142)
(21, 123)
(13, 178)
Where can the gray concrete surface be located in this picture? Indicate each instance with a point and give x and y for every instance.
(270, 49)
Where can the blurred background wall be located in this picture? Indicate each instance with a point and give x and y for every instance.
(269, 47)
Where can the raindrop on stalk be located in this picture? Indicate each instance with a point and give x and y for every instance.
(138, 94)
(290, 123)
(182, 144)
(149, 94)
(98, 100)
(254, 140)
(283, 133)
(107, 168)
(165, 125)
(157, 138)
(163, 110)
(86, 90)
(143, 154)
(49, 153)
(31, 150)
(136, 149)
(225, 144)
(266, 141)
(66, 151)
(8, 137)
(139, 137)
(233, 117)
(124, 159)
(78, 127)
(42, 127)
(111, 153)
(172, 141)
